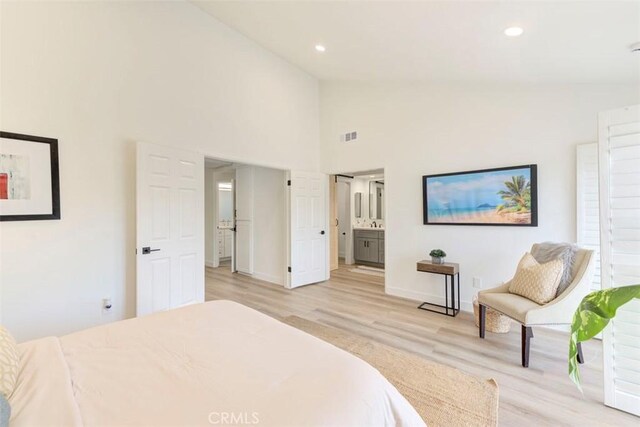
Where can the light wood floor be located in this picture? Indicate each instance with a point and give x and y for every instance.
(355, 302)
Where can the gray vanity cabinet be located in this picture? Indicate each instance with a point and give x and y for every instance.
(369, 246)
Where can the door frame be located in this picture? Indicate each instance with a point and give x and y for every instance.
(286, 249)
(350, 248)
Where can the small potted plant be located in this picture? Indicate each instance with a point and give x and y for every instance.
(437, 256)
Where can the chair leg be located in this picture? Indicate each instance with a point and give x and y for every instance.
(580, 355)
(481, 320)
(527, 334)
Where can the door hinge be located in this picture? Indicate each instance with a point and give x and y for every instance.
(289, 182)
(289, 269)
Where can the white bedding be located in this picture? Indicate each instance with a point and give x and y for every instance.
(208, 364)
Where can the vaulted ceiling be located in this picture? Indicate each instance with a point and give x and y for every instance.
(446, 41)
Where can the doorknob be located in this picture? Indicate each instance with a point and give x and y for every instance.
(147, 250)
(322, 232)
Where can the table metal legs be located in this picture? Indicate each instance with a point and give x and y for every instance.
(446, 309)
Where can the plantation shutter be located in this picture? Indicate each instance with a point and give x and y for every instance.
(588, 211)
(619, 161)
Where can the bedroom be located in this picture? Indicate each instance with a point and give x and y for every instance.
(243, 81)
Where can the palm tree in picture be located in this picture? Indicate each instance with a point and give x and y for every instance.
(517, 195)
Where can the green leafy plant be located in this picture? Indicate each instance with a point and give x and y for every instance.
(438, 253)
(592, 316)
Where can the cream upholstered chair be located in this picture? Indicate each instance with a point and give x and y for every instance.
(528, 313)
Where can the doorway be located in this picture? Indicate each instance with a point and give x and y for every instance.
(361, 216)
(226, 224)
(220, 214)
(275, 232)
(245, 221)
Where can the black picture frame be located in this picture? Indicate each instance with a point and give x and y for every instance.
(533, 168)
(55, 178)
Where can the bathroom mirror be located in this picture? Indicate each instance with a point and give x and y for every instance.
(376, 199)
(358, 205)
(225, 203)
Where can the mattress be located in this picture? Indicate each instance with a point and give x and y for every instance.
(206, 364)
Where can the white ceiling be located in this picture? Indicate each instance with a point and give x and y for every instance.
(446, 41)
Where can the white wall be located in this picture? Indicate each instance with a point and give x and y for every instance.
(100, 76)
(412, 130)
(269, 225)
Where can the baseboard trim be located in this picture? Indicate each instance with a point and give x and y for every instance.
(422, 297)
(209, 264)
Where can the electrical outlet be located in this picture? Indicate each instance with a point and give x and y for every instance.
(477, 282)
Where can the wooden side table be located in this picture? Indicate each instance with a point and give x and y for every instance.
(450, 271)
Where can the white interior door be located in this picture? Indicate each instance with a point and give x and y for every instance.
(619, 160)
(244, 220)
(233, 230)
(170, 228)
(308, 228)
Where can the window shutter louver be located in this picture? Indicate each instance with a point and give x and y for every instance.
(619, 163)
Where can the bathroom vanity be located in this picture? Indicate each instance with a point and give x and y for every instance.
(368, 246)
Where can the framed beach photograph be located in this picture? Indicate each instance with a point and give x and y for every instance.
(501, 196)
(29, 178)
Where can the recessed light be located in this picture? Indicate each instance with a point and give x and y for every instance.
(320, 48)
(372, 176)
(513, 31)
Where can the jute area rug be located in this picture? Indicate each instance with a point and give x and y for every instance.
(443, 396)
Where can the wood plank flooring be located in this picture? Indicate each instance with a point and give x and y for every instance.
(540, 395)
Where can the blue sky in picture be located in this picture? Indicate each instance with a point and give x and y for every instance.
(470, 191)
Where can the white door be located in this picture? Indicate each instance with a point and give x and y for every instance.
(244, 220)
(170, 228)
(344, 219)
(308, 228)
(619, 161)
(232, 247)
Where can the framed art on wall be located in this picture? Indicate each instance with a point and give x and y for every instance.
(501, 196)
(29, 178)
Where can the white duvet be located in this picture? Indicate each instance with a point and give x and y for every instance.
(217, 363)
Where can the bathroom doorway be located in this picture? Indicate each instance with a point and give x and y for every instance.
(361, 215)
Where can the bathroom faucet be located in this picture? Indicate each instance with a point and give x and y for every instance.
(375, 225)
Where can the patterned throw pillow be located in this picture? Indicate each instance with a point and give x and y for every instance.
(9, 363)
(537, 282)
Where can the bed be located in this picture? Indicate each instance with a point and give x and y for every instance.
(213, 363)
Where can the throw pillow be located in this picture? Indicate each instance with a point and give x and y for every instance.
(548, 251)
(535, 281)
(9, 363)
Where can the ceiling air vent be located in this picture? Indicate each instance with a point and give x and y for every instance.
(349, 136)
